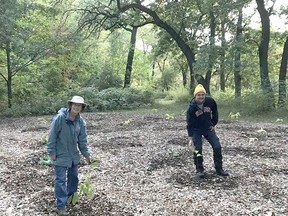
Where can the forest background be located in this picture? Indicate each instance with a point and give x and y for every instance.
(134, 54)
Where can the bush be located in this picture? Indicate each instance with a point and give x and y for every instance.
(115, 99)
(253, 103)
(179, 94)
(105, 79)
(107, 99)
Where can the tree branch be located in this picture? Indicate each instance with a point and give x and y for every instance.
(270, 10)
(3, 77)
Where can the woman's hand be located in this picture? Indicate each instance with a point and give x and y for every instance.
(190, 141)
(88, 160)
(52, 156)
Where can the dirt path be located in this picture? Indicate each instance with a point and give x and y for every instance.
(146, 168)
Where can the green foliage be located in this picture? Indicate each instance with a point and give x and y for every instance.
(115, 99)
(234, 115)
(252, 139)
(105, 79)
(86, 189)
(174, 153)
(41, 105)
(127, 122)
(253, 105)
(17, 110)
(45, 161)
(167, 79)
(169, 116)
(107, 99)
(44, 140)
(179, 94)
(47, 105)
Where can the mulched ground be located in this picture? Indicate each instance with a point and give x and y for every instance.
(146, 168)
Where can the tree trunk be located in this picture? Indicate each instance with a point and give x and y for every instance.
(282, 75)
(127, 80)
(211, 56)
(237, 59)
(153, 70)
(9, 70)
(184, 75)
(200, 80)
(187, 51)
(222, 60)
(263, 48)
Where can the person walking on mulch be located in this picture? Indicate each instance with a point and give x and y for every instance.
(67, 136)
(202, 117)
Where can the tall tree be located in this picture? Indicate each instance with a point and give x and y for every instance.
(128, 71)
(10, 12)
(211, 56)
(264, 47)
(237, 58)
(21, 38)
(222, 53)
(283, 75)
(106, 16)
(184, 47)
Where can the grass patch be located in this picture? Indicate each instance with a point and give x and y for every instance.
(226, 111)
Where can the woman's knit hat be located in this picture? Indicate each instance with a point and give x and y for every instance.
(199, 88)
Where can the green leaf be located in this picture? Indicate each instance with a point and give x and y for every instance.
(75, 198)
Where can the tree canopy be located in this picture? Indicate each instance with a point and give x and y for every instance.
(51, 50)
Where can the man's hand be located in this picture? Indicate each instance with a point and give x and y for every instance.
(88, 160)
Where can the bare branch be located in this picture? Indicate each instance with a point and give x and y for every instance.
(270, 10)
(3, 77)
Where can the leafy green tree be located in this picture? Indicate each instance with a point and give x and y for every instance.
(10, 12)
(22, 38)
(128, 14)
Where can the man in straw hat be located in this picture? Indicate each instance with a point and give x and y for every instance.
(202, 117)
(67, 136)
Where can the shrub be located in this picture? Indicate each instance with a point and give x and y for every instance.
(115, 99)
(107, 99)
(179, 94)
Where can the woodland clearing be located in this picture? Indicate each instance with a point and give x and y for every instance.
(146, 167)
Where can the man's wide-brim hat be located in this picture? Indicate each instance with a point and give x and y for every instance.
(77, 99)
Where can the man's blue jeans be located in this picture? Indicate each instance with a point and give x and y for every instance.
(65, 183)
(209, 135)
(213, 139)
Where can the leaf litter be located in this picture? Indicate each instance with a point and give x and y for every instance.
(146, 168)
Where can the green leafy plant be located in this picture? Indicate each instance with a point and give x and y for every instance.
(86, 189)
(44, 140)
(252, 139)
(279, 120)
(169, 116)
(174, 153)
(127, 122)
(234, 115)
(45, 160)
(43, 121)
(261, 131)
(94, 124)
